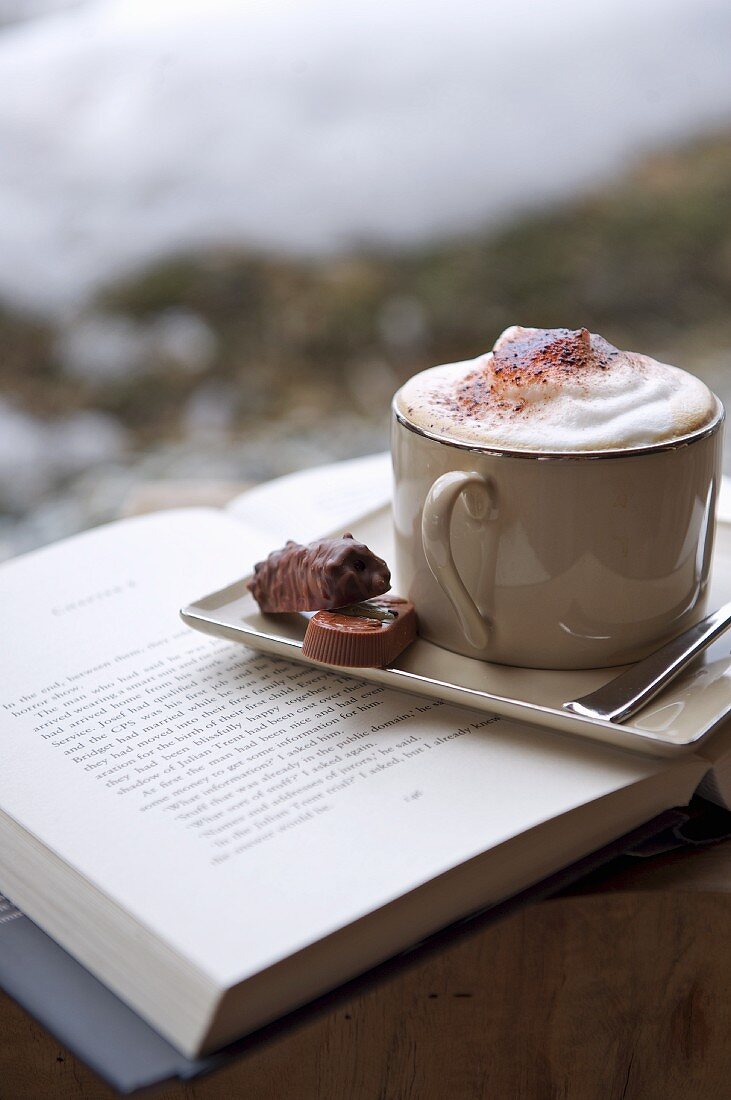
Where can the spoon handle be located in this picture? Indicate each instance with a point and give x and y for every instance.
(631, 690)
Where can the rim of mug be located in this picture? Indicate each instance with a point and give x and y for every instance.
(572, 456)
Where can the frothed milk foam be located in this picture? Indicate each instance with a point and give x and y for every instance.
(556, 390)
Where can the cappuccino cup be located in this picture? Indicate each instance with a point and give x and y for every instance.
(516, 550)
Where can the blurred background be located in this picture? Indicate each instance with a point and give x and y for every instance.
(229, 230)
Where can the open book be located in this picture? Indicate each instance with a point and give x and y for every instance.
(221, 836)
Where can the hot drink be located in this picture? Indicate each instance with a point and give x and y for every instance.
(556, 390)
(554, 500)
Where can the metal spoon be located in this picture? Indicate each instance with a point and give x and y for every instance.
(631, 690)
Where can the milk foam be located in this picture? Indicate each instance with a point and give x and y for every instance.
(557, 390)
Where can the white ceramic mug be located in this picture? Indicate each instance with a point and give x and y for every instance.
(546, 560)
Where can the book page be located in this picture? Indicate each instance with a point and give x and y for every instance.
(8, 912)
(307, 504)
(716, 785)
(239, 806)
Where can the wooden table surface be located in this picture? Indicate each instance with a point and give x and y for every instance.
(619, 988)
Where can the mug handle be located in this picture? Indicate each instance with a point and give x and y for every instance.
(480, 499)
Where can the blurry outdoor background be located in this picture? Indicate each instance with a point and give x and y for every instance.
(230, 229)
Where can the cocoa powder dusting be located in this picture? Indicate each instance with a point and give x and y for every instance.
(525, 359)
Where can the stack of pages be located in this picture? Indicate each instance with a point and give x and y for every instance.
(219, 836)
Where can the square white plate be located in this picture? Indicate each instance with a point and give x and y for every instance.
(673, 723)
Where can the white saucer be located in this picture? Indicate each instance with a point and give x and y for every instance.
(676, 722)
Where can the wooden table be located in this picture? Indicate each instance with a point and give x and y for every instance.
(619, 988)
